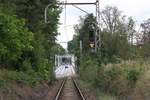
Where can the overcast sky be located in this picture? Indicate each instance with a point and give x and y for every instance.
(138, 9)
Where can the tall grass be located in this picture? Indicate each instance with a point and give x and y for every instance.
(120, 79)
(126, 80)
(142, 88)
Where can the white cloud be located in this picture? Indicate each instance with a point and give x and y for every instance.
(135, 8)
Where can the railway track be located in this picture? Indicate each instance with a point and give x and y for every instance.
(69, 90)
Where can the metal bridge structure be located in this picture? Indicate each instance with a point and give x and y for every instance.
(65, 65)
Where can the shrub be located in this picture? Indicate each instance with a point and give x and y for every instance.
(2, 83)
(132, 76)
(88, 70)
(14, 38)
(29, 78)
(142, 87)
(26, 65)
(119, 79)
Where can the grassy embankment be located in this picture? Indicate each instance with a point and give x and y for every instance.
(127, 80)
(21, 85)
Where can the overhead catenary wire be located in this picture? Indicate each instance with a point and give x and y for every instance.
(65, 23)
(80, 9)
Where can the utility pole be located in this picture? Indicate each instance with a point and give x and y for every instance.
(45, 13)
(81, 49)
(97, 36)
(80, 61)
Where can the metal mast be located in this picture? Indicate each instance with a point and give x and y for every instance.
(97, 36)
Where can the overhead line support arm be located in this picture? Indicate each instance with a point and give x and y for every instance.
(77, 3)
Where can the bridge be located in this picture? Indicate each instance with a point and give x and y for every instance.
(65, 65)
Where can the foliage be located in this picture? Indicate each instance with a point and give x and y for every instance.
(15, 38)
(116, 36)
(142, 88)
(144, 50)
(116, 79)
(27, 43)
(82, 29)
(73, 46)
(28, 78)
(26, 65)
(44, 57)
(114, 22)
(132, 75)
(88, 71)
(117, 67)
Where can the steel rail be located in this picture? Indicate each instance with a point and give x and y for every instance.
(60, 90)
(57, 97)
(78, 89)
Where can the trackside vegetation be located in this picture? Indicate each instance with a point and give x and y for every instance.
(27, 43)
(119, 70)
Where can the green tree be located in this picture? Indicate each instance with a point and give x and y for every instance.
(15, 38)
(32, 11)
(82, 33)
(116, 35)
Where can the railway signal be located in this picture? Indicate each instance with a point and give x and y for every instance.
(92, 38)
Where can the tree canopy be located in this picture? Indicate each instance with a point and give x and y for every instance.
(27, 42)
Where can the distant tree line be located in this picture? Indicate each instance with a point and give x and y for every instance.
(119, 37)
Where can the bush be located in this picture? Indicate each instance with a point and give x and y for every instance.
(111, 80)
(2, 83)
(116, 79)
(142, 88)
(14, 39)
(26, 65)
(132, 76)
(133, 71)
(29, 78)
(88, 70)
(120, 79)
